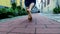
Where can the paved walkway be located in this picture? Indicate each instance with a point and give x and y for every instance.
(55, 17)
(39, 25)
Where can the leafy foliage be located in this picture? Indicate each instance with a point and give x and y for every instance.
(56, 10)
(12, 12)
(13, 6)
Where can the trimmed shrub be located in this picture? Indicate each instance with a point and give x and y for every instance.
(21, 11)
(13, 6)
(12, 12)
(24, 11)
(3, 13)
(56, 10)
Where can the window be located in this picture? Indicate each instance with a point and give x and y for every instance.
(12, 1)
(48, 1)
(41, 0)
(44, 3)
(21, 2)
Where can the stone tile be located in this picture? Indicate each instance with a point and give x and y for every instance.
(24, 30)
(53, 26)
(4, 26)
(43, 21)
(6, 29)
(19, 33)
(3, 33)
(31, 26)
(47, 30)
(19, 26)
(3, 29)
(36, 26)
(47, 33)
(21, 30)
(29, 30)
(5, 23)
(28, 22)
(12, 33)
(53, 21)
(40, 26)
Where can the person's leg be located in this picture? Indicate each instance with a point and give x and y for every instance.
(29, 14)
(29, 11)
(31, 6)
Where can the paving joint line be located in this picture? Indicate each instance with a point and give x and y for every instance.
(35, 21)
(35, 30)
(11, 30)
(45, 26)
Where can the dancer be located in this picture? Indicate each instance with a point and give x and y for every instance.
(29, 5)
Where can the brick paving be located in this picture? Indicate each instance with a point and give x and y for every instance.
(38, 25)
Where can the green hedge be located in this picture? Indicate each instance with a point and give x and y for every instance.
(12, 12)
(56, 10)
(6, 13)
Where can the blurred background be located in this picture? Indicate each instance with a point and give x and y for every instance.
(12, 8)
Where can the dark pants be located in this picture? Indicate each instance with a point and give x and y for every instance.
(28, 2)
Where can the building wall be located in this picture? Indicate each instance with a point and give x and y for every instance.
(49, 8)
(23, 4)
(59, 2)
(5, 3)
(8, 3)
(18, 2)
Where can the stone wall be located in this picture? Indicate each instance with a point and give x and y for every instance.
(8, 3)
(59, 2)
(5, 3)
(49, 8)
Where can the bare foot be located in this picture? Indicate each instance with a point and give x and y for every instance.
(29, 15)
(30, 18)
